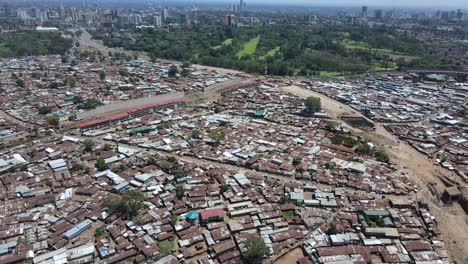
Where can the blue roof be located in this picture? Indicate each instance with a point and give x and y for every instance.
(192, 215)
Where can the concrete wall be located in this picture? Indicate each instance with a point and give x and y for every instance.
(224, 85)
(129, 104)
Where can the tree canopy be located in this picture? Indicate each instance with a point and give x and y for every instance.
(284, 49)
(33, 43)
(128, 204)
(256, 249)
(313, 104)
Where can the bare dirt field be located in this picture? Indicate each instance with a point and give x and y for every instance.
(291, 257)
(453, 222)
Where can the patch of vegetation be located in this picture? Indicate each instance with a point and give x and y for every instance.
(344, 139)
(223, 188)
(216, 136)
(331, 230)
(33, 43)
(249, 47)
(100, 231)
(52, 120)
(313, 104)
(90, 104)
(44, 110)
(128, 205)
(382, 156)
(165, 248)
(101, 164)
(256, 249)
(88, 145)
(287, 49)
(288, 213)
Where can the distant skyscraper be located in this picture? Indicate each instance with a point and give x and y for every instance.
(165, 15)
(459, 14)
(364, 12)
(241, 5)
(378, 13)
(157, 20)
(445, 15)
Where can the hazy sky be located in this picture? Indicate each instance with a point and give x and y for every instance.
(413, 3)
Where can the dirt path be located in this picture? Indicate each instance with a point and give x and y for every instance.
(7, 116)
(291, 257)
(453, 222)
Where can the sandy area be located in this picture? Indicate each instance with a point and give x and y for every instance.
(452, 219)
(290, 257)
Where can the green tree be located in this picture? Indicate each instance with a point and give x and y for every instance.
(382, 156)
(90, 104)
(54, 85)
(331, 230)
(174, 219)
(101, 164)
(129, 204)
(173, 70)
(256, 249)
(312, 104)
(52, 120)
(100, 231)
(20, 83)
(71, 81)
(186, 64)
(296, 161)
(283, 200)
(185, 72)
(102, 75)
(180, 192)
(124, 72)
(223, 188)
(217, 136)
(44, 110)
(88, 145)
(196, 134)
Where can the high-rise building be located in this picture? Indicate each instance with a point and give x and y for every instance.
(157, 21)
(378, 13)
(364, 12)
(241, 5)
(134, 19)
(459, 14)
(22, 14)
(228, 20)
(444, 15)
(165, 14)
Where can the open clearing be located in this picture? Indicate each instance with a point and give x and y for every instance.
(249, 47)
(227, 42)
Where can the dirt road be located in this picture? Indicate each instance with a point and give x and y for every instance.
(452, 219)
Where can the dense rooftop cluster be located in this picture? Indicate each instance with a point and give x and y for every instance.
(430, 116)
(40, 86)
(198, 184)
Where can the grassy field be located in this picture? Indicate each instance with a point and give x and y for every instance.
(225, 43)
(270, 53)
(249, 47)
(329, 74)
(4, 50)
(288, 213)
(350, 44)
(391, 67)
